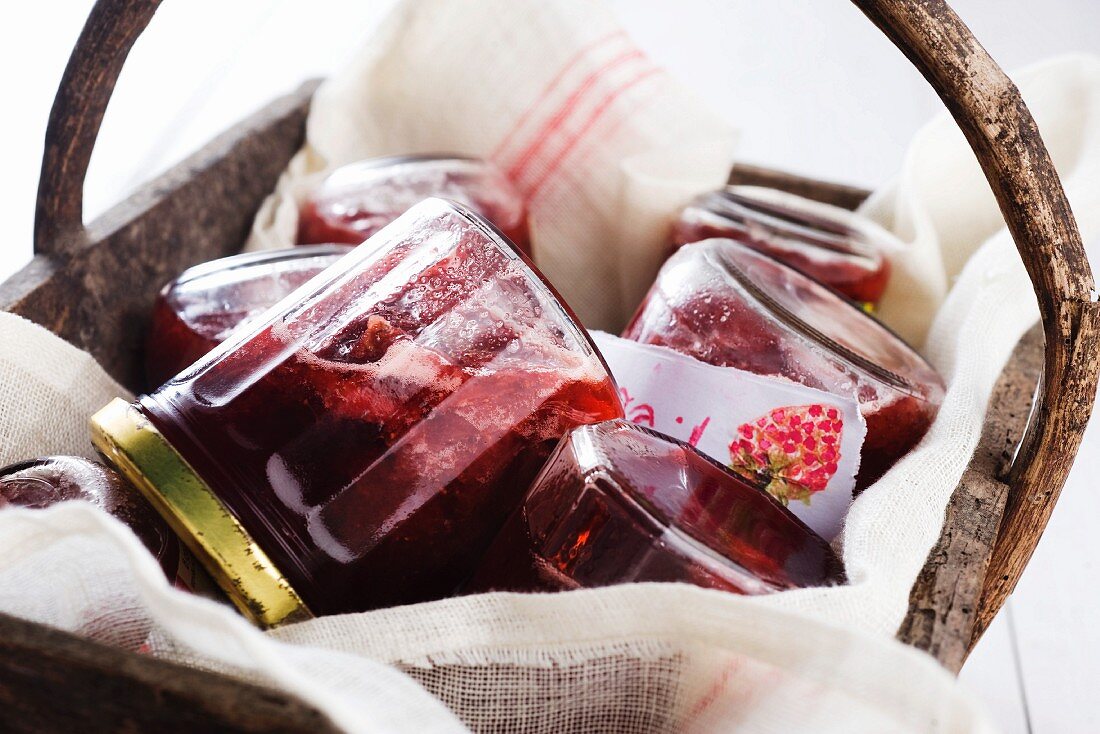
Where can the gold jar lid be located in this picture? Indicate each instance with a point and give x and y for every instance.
(240, 567)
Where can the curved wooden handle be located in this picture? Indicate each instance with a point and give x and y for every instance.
(988, 108)
(86, 86)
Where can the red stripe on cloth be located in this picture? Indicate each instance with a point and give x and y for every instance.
(532, 190)
(542, 135)
(584, 51)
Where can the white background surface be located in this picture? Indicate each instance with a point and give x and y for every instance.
(815, 88)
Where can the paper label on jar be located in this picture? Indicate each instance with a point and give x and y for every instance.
(799, 444)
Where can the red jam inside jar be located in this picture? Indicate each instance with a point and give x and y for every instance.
(725, 304)
(358, 199)
(618, 503)
(198, 310)
(42, 483)
(373, 435)
(831, 245)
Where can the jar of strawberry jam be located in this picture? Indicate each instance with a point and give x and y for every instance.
(726, 304)
(198, 310)
(41, 483)
(360, 445)
(358, 199)
(834, 246)
(619, 503)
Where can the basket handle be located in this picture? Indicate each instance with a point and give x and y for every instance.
(992, 115)
(984, 102)
(86, 87)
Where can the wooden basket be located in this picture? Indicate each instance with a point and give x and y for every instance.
(94, 286)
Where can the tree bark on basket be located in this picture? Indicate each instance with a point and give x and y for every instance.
(94, 286)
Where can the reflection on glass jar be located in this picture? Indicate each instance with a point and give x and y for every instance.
(617, 503)
(843, 250)
(357, 200)
(199, 309)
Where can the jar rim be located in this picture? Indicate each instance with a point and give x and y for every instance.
(264, 257)
(721, 259)
(830, 227)
(335, 177)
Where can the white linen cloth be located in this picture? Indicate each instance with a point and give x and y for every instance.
(635, 658)
(600, 141)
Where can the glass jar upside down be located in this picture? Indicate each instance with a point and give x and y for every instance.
(368, 440)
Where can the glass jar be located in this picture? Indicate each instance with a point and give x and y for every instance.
(619, 503)
(198, 310)
(42, 483)
(360, 445)
(726, 304)
(358, 199)
(833, 246)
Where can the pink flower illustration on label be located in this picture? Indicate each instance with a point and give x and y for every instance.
(744, 420)
(791, 452)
